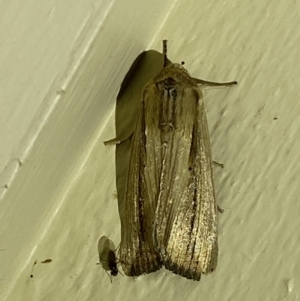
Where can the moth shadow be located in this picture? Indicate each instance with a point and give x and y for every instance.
(144, 68)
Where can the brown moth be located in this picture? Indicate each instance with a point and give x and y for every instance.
(170, 208)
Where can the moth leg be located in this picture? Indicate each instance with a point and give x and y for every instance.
(116, 141)
(218, 164)
(221, 210)
(208, 83)
(120, 273)
(118, 247)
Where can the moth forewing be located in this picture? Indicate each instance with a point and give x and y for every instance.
(186, 207)
(107, 256)
(137, 253)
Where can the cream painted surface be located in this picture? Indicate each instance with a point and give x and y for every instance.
(62, 64)
(42, 43)
(254, 132)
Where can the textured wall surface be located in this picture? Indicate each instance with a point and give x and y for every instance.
(61, 67)
(254, 131)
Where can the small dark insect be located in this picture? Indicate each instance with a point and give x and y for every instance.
(107, 256)
(46, 261)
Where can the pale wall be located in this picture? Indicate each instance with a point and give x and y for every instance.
(59, 109)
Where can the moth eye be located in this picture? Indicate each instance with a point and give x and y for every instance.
(182, 63)
(190, 168)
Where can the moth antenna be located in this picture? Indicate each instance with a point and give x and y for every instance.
(165, 52)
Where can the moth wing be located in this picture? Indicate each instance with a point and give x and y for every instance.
(186, 214)
(137, 253)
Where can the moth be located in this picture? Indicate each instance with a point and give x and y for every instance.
(170, 216)
(107, 256)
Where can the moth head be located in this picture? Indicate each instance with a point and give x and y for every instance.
(178, 67)
(175, 65)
